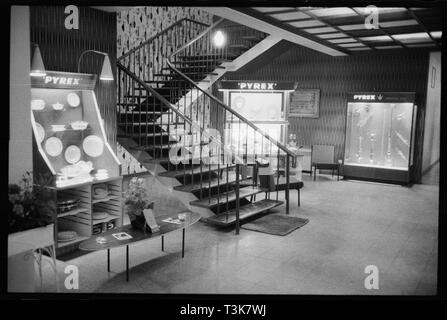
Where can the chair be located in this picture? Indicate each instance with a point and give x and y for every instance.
(323, 158)
(268, 182)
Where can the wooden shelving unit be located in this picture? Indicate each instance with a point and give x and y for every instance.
(81, 219)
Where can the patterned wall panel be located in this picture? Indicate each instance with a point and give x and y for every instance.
(138, 24)
(61, 49)
(335, 76)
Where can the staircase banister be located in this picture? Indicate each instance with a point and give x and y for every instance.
(227, 108)
(173, 108)
(159, 34)
(251, 124)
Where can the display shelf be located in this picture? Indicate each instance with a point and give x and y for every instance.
(379, 139)
(110, 217)
(61, 244)
(72, 212)
(76, 94)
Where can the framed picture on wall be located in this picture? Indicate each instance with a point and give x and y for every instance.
(304, 103)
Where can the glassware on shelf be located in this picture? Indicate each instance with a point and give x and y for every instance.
(58, 106)
(37, 104)
(79, 125)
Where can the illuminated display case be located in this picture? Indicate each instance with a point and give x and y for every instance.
(262, 103)
(380, 136)
(71, 145)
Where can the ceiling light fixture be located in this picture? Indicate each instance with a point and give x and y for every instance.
(219, 39)
(106, 71)
(37, 66)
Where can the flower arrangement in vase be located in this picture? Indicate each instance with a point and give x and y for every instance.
(31, 204)
(137, 200)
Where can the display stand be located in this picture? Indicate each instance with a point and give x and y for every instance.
(379, 142)
(71, 145)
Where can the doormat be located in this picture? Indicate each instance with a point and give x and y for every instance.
(277, 224)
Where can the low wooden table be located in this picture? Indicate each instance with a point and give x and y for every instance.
(139, 235)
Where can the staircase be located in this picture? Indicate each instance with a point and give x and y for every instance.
(198, 146)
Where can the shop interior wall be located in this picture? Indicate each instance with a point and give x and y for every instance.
(391, 70)
(432, 131)
(20, 137)
(61, 49)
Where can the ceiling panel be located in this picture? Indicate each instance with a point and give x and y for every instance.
(342, 40)
(343, 28)
(289, 16)
(331, 35)
(349, 45)
(330, 12)
(272, 9)
(377, 38)
(388, 47)
(398, 23)
(320, 30)
(359, 49)
(306, 23)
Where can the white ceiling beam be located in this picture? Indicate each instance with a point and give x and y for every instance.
(249, 21)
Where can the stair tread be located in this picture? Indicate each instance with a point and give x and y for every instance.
(202, 60)
(196, 170)
(246, 211)
(157, 146)
(143, 134)
(206, 183)
(222, 198)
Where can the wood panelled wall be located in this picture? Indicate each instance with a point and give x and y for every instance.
(61, 49)
(401, 70)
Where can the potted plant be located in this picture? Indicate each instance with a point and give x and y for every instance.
(136, 200)
(31, 212)
(31, 205)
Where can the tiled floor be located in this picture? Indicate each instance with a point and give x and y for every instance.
(352, 225)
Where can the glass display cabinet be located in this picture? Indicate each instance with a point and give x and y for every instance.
(71, 146)
(380, 136)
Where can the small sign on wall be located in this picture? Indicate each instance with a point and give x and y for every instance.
(305, 103)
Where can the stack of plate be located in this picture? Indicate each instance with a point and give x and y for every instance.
(102, 174)
(99, 215)
(65, 236)
(100, 191)
(67, 204)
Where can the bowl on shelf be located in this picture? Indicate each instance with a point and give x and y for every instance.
(58, 106)
(58, 127)
(79, 125)
(37, 104)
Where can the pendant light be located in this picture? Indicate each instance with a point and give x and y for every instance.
(106, 71)
(37, 66)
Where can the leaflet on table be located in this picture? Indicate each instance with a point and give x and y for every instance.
(122, 236)
(173, 220)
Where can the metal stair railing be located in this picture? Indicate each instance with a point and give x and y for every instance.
(246, 140)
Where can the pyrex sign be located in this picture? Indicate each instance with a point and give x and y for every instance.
(257, 85)
(62, 80)
(364, 97)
